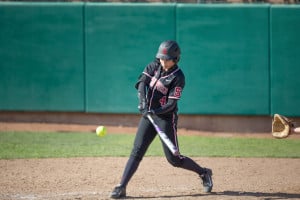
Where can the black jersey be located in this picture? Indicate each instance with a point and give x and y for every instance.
(162, 86)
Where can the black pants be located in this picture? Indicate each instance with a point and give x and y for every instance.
(146, 134)
(144, 137)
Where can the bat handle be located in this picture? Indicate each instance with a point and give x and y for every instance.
(164, 137)
(150, 118)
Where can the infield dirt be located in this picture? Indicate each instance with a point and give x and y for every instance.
(94, 178)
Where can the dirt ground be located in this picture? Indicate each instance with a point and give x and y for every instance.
(94, 178)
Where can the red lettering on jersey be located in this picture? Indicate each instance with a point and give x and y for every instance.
(177, 92)
(163, 100)
(160, 87)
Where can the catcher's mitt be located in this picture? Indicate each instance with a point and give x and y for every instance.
(281, 126)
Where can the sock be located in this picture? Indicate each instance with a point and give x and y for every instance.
(130, 169)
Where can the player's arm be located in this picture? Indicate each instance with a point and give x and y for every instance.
(147, 74)
(142, 89)
(142, 85)
(168, 107)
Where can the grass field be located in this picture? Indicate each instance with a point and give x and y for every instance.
(15, 145)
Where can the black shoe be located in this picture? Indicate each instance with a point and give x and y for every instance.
(207, 180)
(118, 192)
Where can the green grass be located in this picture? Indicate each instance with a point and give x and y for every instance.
(44, 145)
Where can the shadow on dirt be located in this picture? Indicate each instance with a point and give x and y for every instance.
(274, 195)
(260, 195)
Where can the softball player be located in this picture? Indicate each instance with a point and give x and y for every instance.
(159, 88)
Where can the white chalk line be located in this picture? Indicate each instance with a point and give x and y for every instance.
(77, 195)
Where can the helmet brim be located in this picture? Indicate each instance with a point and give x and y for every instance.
(163, 56)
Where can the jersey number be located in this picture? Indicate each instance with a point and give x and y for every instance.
(163, 101)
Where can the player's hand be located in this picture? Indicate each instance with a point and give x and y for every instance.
(142, 106)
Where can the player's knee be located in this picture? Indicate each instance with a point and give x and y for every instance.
(137, 154)
(175, 161)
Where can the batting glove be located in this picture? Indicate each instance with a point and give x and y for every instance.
(142, 105)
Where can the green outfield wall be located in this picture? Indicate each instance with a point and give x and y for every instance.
(238, 59)
(285, 59)
(225, 57)
(42, 57)
(120, 41)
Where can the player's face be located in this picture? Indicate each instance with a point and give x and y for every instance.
(166, 64)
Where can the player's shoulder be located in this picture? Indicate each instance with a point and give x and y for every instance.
(179, 72)
(178, 77)
(153, 66)
(155, 63)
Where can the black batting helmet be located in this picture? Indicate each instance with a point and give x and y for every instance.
(169, 50)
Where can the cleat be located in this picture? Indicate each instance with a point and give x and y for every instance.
(118, 192)
(207, 180)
